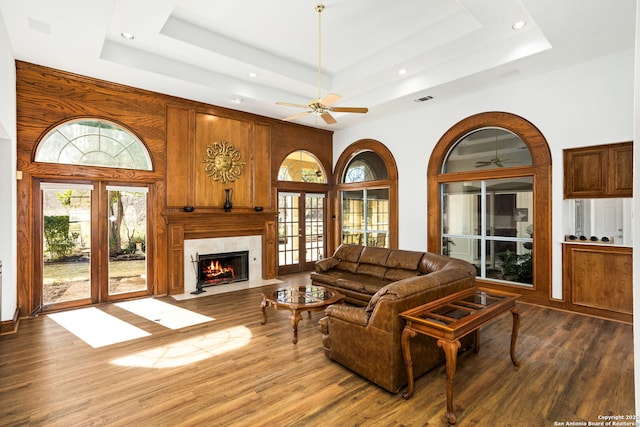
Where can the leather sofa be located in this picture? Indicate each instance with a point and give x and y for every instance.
(366, 337)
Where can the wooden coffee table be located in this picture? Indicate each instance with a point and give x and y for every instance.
(451, 318)
(298, 299)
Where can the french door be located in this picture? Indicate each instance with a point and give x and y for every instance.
(301, 231)
(93, 243)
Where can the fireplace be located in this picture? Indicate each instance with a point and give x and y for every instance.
(220, 269)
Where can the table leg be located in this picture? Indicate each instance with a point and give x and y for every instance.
(263, 306)
(514, 334)
(476, 346)
(295, 318)
(451, 355)
(407, 334)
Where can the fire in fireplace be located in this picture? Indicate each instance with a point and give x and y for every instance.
(222, 268)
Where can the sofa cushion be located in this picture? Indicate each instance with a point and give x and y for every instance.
(350, 253)
(394, 274)
(347, 266)
(372, 270)
(404, 259)
(371, 287)
(373, 255)
(350, 284)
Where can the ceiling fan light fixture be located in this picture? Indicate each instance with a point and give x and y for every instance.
(322, 106)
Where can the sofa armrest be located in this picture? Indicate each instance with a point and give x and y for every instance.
(326, 264)
(348, 313)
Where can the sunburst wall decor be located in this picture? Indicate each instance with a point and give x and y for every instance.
(222, 162)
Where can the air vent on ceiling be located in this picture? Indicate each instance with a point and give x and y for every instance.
(424, 98)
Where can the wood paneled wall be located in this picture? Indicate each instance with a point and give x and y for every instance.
(175, 131)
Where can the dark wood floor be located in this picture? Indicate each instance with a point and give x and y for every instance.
(573, 368)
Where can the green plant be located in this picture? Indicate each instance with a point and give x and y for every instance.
(60, 242)
(519, 267)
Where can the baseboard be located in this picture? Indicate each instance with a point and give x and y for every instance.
(10, 326)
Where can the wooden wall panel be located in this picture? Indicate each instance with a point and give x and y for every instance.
(262, 163)
(209, 130)
(178, 149)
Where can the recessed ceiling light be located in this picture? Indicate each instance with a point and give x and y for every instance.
(402, 71)
(237, 100)
(252, 75)
(518, 25)
(127, 36)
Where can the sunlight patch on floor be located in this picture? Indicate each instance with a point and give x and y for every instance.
(188, 351)
(165, 314)
(97, 328)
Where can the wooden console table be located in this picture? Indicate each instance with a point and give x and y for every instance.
(451, 318)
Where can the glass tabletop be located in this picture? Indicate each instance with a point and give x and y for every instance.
(302, 295)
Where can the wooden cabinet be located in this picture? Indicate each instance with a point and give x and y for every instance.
(599, 171)
(597, 280)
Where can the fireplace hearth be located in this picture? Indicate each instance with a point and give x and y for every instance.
(220, 269)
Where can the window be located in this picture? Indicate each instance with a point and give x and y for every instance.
(489, 190)
(366, 166)
(487, 223)
(367, 193)
(301, 166)
(93, 142)
(365, 217)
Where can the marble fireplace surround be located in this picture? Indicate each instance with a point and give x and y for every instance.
(207, 232)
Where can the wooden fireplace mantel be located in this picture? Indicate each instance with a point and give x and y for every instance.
(213, 223)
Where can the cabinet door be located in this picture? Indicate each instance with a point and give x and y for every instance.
(620, 170)
(584, 170)
(597, 280)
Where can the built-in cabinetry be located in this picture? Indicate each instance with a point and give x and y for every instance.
(597, 280)
(599, 171)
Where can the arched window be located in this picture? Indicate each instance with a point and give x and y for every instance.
(301, 166)
(365, 166)
(93, 142)
(489, 190)
(367, 195)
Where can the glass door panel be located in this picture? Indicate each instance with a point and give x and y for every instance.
(301, 223)
(127, 239)
(289, 229)
(314, 227)
(66, 243)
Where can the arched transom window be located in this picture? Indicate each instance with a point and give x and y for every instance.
(93, 142)
(301, 166)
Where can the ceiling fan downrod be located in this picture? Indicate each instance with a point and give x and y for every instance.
(319, 9)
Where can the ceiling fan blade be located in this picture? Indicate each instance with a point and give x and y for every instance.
(328, 118)
(288, 104)
(295, 116)
(349, 109)
(330, 99)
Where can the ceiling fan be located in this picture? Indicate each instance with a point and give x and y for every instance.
(496, 161)
(322, 106)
